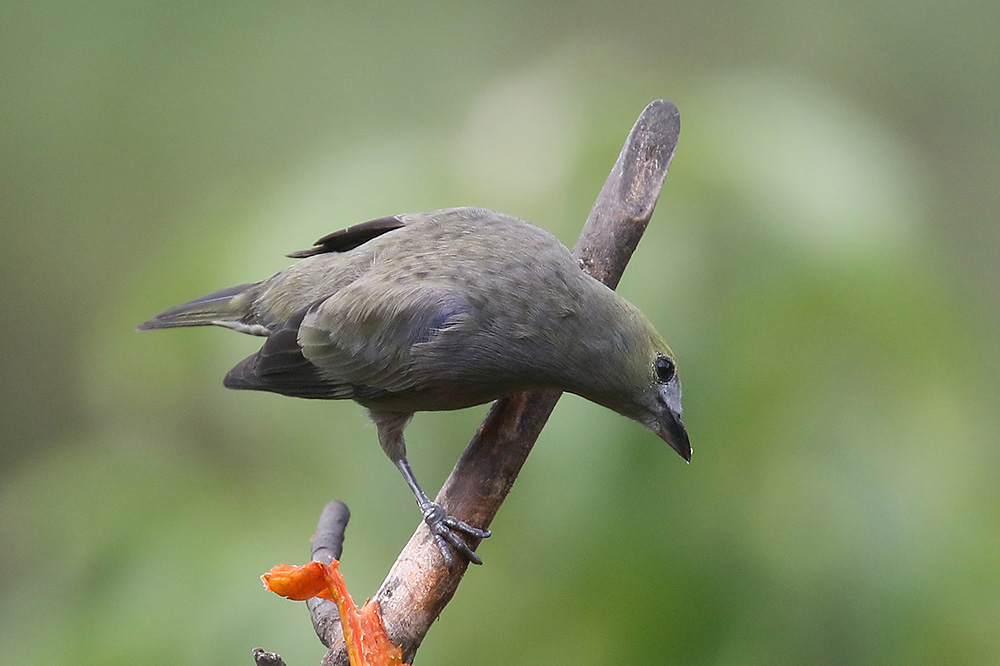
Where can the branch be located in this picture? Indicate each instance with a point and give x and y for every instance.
(263, 658)
(420, 584)
(327, 546)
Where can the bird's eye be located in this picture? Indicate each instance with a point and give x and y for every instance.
(664, 369)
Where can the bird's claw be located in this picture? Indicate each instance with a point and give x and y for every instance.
(444, 529)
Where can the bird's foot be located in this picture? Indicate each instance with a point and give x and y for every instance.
(444, 529)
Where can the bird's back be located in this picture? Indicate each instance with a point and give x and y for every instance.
(454, 308)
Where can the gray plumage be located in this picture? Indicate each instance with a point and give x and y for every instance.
(439, 311)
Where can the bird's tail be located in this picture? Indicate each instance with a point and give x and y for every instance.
(231, 308)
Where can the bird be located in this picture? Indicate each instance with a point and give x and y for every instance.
(440, 311)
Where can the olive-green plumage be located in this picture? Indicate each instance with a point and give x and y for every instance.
(440, 311)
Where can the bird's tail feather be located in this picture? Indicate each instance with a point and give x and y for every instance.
(228, 307)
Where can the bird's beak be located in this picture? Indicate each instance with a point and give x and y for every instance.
(671, 430)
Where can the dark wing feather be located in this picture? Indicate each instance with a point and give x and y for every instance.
(280, 367)
(351, 237)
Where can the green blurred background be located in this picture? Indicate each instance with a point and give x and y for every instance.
(823, 261)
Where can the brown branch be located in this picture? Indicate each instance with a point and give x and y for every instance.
(328, 545)
(264, 658)
(420, 584)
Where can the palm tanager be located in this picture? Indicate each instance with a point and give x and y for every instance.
(440, 311)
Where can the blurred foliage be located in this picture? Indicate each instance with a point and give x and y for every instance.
(823, 261)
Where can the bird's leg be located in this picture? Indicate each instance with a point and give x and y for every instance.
(442, 526)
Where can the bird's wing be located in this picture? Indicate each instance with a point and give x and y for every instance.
(358, 343)
(351, 237)
(281, 367)
(367, 333)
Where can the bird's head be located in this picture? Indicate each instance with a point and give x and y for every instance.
(627, 366)
(639, 380)
(661, 402)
